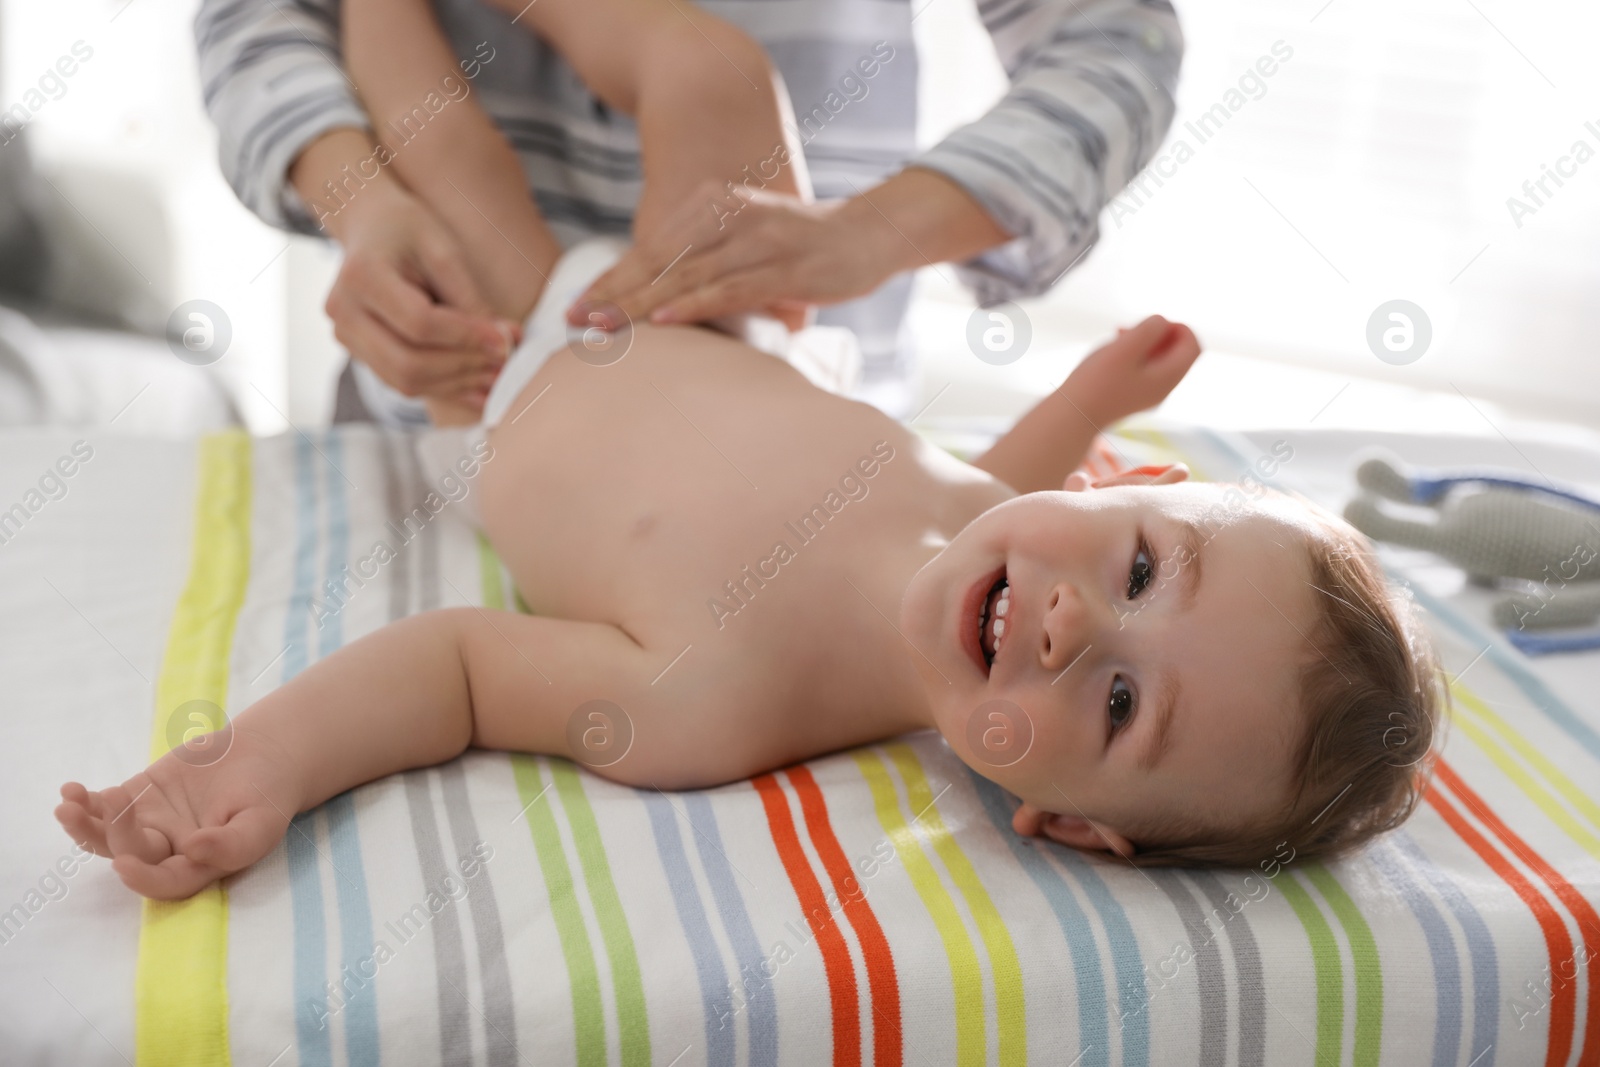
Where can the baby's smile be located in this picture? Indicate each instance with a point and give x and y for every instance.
(982, 624)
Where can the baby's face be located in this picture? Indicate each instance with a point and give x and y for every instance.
(1140, 656)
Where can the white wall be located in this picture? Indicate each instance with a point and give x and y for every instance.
(1376, 164)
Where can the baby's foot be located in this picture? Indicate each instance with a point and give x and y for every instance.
(176, 827)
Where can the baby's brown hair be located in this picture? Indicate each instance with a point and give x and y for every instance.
(1371, 698)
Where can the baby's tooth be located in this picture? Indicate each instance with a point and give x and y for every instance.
(999, 628)
(1003, 605)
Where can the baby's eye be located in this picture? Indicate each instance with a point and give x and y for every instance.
(1120, 706)
(1141, 573)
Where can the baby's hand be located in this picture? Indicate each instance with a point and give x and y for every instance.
(176, 827)
(1134, 372)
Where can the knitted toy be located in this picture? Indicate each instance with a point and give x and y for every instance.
(1505, 532)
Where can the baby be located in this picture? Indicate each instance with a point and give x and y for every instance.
(731, 570)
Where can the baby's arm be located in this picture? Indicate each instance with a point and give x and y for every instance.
(1134, 372)
(412, 694)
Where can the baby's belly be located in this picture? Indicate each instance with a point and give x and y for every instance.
(647, 492)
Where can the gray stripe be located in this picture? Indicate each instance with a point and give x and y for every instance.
(400, 564)
(499, 1010)
(455, 1022)
(1252, 988)
(428, 564)
(1208, 973)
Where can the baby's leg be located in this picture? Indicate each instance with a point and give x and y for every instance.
(449, 154)
(709, 105)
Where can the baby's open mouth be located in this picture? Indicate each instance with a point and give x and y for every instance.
(992, 619)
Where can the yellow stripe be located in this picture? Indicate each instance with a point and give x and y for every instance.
(1010, 1012)
(1552, 774)
(181, 984)
(1525, 781)
(1151, 436)
(965, 974)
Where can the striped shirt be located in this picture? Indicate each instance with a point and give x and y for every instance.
(1090, 101)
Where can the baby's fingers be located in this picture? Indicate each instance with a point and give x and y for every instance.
(246, 837)
(125, 834)
(76, 819)
(174, 878)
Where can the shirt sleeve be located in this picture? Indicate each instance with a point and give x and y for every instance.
(1091, 100)
(273, 81)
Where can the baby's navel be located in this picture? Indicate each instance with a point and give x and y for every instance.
(643, 527)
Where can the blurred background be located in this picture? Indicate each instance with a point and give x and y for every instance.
(1375, 164)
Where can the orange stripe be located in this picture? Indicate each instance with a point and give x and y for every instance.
(1562, 998)
(836, 961)
(1582, 910)
(886, 1039)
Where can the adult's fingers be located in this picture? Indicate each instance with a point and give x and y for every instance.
(412, 370)
(693, 276)
(727, 294)
(414, 317)
(448, 276)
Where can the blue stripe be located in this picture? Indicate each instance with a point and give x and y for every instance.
(355, 907)
(1093, 1012)
(1480, 949)
(310, 944)
(715, 996)
(761, 1003)
(296, 623)
(1133, 999)
(1508, 661)
(305, 885)
(1441, 946)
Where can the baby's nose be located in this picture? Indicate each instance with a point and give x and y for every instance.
(1065, 627)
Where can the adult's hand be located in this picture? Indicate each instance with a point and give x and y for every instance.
(406, 305)
(721, 254)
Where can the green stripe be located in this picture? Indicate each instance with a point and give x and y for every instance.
(494, 593)
(588, 1016)
(632, 1021)
(1330, 974)
(1364, 956)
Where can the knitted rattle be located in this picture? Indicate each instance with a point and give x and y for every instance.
(1496, 526)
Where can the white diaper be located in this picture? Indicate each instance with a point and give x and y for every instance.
(827, 355)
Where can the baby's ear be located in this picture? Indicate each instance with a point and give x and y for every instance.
(1078, 481)
(1072, 830)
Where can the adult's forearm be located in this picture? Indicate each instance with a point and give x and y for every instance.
(272, 84)
(329, 174)
(917, 218)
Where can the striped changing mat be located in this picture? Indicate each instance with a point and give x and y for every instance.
(871, 907)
